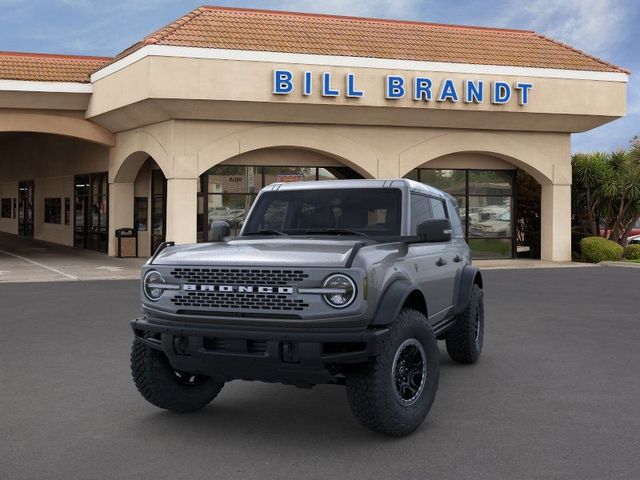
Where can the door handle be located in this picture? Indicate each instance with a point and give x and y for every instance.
(457, 259)
(441, 262)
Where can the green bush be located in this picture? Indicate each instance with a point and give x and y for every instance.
(598, 249)
(632, 252)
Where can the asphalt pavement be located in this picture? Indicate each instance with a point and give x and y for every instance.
(556, 395)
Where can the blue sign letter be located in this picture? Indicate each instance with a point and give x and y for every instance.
(351, 86)
(473, 91)
(326, 86)
(395, 87)
(523, 92)
(448, 91)
(306, 84)
(422, 88)
(501, 92)
(282, 82)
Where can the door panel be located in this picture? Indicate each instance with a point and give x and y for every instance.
(435, 273)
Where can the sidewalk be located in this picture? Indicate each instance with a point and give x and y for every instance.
(28, 260)
(526, 263)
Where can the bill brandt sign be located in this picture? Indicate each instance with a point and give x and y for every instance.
(420, 88)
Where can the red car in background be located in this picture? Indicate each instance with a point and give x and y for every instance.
(635, 232)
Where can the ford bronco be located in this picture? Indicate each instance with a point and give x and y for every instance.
(347, 282)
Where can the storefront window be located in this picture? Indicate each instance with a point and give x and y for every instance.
(140, 214)
(485, 199)
(451, 181)
(230, 190)
(6, 208)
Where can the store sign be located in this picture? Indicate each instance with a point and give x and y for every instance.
(419, 88)
(289, 177)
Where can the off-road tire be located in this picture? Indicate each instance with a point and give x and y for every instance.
(161, 386)
(464, 342)
(371, 388)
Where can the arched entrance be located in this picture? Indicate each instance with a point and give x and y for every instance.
(139, 201)
(227, 191)
(499, 203)
(550, 168)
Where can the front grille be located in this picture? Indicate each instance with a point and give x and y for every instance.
(238, 301)
(239, 276)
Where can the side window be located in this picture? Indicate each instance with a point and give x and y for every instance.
(420, 211)
(438, 208)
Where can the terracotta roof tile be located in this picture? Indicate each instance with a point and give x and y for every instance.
(48, 68)
(273, 31)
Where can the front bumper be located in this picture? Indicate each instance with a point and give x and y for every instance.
(289, 356)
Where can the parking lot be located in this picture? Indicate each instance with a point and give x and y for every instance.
(555, 395)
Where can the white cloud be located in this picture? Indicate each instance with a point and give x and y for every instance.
(402, 9)
(592, 25)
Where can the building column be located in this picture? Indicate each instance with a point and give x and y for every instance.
(555, 211)
(120, 211)
(182, 210)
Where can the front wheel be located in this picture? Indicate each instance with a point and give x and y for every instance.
(393, 393)
(163, 386)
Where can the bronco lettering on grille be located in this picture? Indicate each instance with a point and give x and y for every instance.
(237, 288)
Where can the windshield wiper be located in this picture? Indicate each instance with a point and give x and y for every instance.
(338, 231)
(267, 231)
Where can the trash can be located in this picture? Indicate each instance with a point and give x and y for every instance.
(127, 242)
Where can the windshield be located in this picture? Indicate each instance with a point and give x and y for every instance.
(346, 211)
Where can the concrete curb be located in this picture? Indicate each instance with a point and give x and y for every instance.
(620, 264)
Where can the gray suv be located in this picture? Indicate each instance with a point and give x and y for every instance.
(347, 282)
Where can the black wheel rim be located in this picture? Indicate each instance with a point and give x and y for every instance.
(188, 379)
(478, 327)
(409, 372)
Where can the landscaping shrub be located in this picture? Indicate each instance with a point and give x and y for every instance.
(597, 249)
(632, 252)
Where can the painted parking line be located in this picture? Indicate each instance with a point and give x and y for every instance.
(41, 265)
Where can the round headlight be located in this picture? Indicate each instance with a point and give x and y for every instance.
(150, 285)
(344, 291)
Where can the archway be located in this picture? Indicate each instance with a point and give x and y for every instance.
(138, 199)
(500, 204)
(519, 154)
(56, 124)
(227, 190)
(324, 142)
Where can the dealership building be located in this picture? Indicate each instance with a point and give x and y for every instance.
(184, 127)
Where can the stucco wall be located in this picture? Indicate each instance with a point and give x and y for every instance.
(154, 89)
(53, 187)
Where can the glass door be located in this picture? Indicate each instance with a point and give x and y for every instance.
(91, 226)
(81, 211)
(25, 208)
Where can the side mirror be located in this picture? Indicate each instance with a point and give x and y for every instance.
(219, 230)
(435, 230)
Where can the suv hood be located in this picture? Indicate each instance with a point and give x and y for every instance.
(287, 251)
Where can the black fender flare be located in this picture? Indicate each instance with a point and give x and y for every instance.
(470, 275)
(392, 300)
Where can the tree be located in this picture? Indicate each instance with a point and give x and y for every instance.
(607, 187)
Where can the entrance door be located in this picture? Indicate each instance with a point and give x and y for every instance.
(91, 212)
(158, 209)
(25, 208)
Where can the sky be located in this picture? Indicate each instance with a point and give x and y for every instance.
(604, 28)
